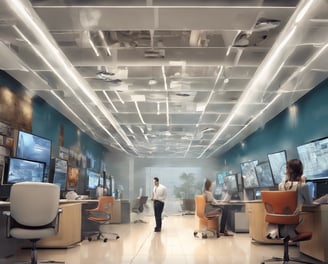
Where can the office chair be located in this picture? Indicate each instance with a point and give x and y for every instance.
(138, 208)
(207, 223)
(281, 209)
(101, 215)
(34, 213)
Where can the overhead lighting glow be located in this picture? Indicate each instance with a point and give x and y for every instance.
(92, 44)
(101, 34)
(139, 113)
(110, 101)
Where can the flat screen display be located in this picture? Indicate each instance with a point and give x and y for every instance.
(21, 170)
(33, 147)
(93, 179)
(314, 156)
(60, 173)
(231, 184)
(277, 163)
(248, 174)
(264, 175)
(220, 177)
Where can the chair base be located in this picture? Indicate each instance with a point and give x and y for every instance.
(102, 236)
(204, 234)
(140, 221)
(285, 258)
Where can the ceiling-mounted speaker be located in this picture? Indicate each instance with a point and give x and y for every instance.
(241, 40)
(264, 24)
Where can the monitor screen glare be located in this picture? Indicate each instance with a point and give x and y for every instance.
(314, 157)
(264, 174)
(33, 147)
(60, 173)
(277, 163)
(249, 175)
(231, 184)
(21, 170)
(93, 179)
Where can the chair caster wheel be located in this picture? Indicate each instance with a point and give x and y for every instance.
(105, 240)
(217, 235)
(117, 237)
(195, 234)
(204, 236)
(89, 238)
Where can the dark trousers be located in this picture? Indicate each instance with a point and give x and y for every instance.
(224, 218)
(158, 209)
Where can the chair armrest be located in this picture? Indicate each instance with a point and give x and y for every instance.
(60, 210)
(8, 222)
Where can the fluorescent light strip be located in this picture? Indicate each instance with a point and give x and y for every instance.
(164, 78)
(253, 86)
(240, 131)
(68, 108)
(302, 13)
(119, 97)
(140, 116)
(158, 108)
(22, 12)
(110, 101)
(92, 44)
(101, 34)
(313, 58)
(167, 97)
(130, 129)
(167, 111)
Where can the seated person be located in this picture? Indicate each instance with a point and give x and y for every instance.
(214, 206)
(295, 181)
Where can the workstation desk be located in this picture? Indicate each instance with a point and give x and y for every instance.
(315, 219)
(72, 221)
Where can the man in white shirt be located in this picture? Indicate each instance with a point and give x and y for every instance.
(158, 197)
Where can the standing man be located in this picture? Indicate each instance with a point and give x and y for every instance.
(158, 197)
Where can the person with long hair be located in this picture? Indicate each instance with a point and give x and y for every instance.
(215, 206)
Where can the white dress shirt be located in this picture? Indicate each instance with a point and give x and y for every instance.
(159, 193)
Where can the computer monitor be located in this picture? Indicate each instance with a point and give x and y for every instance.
(231, 184)
(21, 170)
(33, 147)
(248, 174)
(93, 179)
(314, 156)
(220, 177)
(277, 161)
(60, 173)
(264, 174)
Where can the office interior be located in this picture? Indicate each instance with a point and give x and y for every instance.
(182, 114)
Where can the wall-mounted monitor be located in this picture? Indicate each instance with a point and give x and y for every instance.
(314, 156)
(93, 179)
(60, 173)
(33, 147)
(231, 184)
(264, 175)
(277, 161)
(220, 177)
(249, 175)
(21, 170)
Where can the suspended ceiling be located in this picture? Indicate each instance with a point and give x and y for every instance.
(166, 79)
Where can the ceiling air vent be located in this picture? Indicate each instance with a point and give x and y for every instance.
(159, 53)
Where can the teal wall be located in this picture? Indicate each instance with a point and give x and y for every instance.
(285, 132)
(47, 123)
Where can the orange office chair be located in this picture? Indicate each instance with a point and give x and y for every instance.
(206, 223)
(281, 209)
(101, 215)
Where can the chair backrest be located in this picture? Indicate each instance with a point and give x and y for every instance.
(34, 203)
(105, 204)
(200, 206)
(281, 207)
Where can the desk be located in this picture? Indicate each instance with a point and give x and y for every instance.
(69, 233)
(315, 220)
(8, 246)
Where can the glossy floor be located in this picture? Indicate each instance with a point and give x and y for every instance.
(139, 244)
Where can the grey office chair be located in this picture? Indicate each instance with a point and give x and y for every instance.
(138, 208)
(34, 213)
